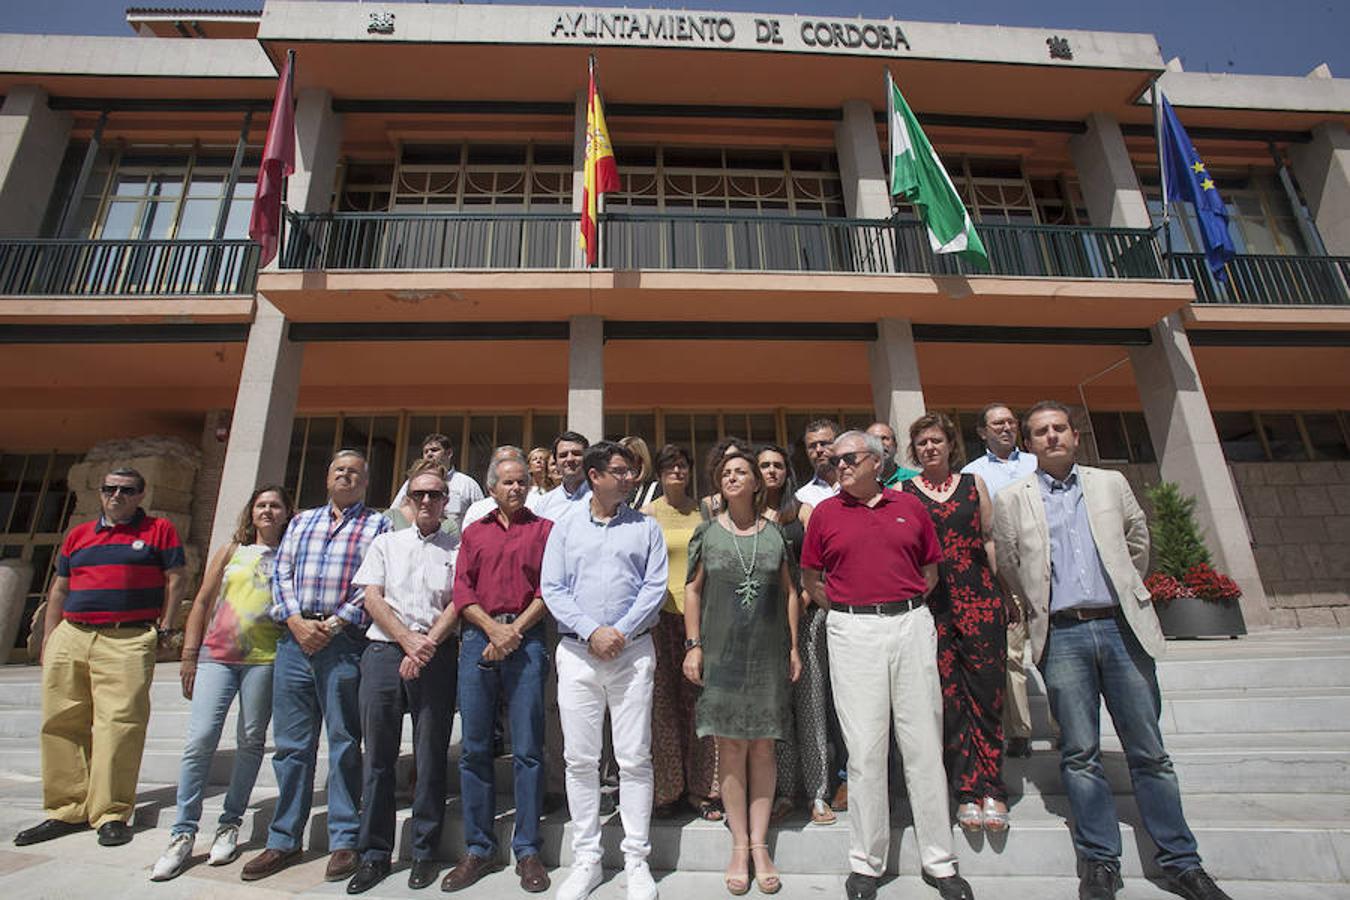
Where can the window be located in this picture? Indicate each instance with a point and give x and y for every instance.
(462, 177)
(35, 510)
(1122, 437)
(1261, 219)
(1283, 436)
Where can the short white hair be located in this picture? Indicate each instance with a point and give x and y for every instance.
(871, 441)
(506, 453)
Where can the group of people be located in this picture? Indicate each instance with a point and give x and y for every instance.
(735, 652)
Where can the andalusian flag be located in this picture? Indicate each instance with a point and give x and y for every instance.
(918, 175)
(602, 173)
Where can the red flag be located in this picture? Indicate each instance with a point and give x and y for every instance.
(278, 161)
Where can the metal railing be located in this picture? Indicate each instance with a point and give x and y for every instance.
(1269, 279)
(81, 268)
(429, 241)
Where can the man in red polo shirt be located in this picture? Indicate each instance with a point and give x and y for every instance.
(871, 557)
(117, 578)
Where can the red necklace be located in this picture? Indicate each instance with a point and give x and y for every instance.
(938, 487)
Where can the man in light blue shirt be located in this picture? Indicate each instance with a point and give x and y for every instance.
(1001, 465)
(1077, 576)
(568, 450)
(604, 579)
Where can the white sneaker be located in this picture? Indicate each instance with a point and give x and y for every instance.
(641, 885)
(585, 877)
(170, 865)
(225, 848)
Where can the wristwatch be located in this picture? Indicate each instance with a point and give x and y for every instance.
(691, 643)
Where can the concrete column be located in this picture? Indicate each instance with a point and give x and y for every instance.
(866, 194)
(33, 142)
(897, 394)
(1110, 186)
(1322, 168)
(15, 577)
(586, 377)
(264, 408)
(1189, 454)
(318, 135)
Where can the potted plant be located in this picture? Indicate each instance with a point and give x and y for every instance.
(1192, 599)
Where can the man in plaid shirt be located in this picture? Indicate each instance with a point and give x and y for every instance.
(317, 669)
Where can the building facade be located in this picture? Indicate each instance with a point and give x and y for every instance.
(753, 274)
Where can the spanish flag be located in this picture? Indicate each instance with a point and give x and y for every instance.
(601, 174)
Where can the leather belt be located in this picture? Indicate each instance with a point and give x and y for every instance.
(889, 608)
(581, 640)
(1084, 614)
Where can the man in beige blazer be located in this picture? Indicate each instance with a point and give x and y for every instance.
(1073, 543)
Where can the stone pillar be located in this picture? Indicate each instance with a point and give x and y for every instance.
(264, 409)
(1322, 168)
(318, 135)
(866, 194)
(33, 142)
(15, 577)
(586, 377)
(897, 394)
(1189, 453)
(1110, 186)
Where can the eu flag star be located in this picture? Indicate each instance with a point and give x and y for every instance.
(1197, 167)
(1207, 184)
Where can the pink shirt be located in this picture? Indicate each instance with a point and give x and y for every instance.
(871, 554)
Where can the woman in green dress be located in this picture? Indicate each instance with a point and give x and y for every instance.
(740, 619)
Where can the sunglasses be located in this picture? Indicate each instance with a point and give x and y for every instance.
(113, 490)
(433, 496)
(849, 459)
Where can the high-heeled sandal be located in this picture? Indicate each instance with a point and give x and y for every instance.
(738, 885)
(995, 820)
(767, 884)
(969, 817)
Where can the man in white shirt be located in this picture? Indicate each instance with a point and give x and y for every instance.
(410, 665)
(463, 490)
(819, 439)
(1000, 465)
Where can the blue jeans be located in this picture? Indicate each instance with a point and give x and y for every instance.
(520, 678)
(212, 693)
(305, 691)
(1083, 663)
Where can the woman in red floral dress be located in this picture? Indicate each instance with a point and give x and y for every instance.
(971, 616)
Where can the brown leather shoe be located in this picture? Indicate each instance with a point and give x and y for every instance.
(840, 801)
(533, 876)
(341, 865)
(466, 872)
(268, 862)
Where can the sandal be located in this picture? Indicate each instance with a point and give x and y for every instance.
(782, 808)
(969, 817)
(995, 820)
(739, 884)
(770, 883)
(708, 809)
(821, 814)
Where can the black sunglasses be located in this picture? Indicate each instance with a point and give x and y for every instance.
(433, 496)
(849, 459)
(112, 490)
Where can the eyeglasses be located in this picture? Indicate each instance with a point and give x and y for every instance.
(124, 490)
(433, 496)
(849, 459)
(621, 474)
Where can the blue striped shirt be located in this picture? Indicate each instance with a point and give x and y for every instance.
(318, 558)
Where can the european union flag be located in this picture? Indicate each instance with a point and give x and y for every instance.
(1186, 178)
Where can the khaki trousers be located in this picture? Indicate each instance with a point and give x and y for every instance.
(95, 706)
(1016, 707)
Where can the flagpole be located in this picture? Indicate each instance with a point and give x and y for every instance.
(593, 91)
(1162, 179)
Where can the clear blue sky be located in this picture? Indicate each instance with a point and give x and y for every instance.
(1267, 37)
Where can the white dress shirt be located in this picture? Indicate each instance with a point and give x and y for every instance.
(416, 572)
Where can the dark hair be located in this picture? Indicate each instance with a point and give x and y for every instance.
(716, 453)
(436, 438)
(787, 503)
(670, 454)
(600, 453)
(1042, 406)
(570, 437)
(988, 408)
(933, 420)
(821, 424)
(129, 472)
(758, 501)
(247, 533)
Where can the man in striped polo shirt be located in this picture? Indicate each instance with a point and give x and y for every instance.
(116, 579)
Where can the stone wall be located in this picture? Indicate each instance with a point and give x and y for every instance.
(1299, 516)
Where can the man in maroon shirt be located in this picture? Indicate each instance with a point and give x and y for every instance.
(871, 557)
(503, 654)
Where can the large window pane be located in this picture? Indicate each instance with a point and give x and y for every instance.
(1326, 436)
(1237, 434)
(1283, 437)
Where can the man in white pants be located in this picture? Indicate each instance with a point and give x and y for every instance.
(604, 579)
(880, 551)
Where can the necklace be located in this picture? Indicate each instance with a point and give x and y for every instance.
(748, 589)
(939, 487)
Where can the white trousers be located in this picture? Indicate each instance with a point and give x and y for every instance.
(586, 687)
(883, 672)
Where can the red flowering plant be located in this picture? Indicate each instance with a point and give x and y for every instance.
(1202, 581)
(1181, 560)
(1164, 588)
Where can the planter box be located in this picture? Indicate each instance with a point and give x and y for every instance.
(1191, 617)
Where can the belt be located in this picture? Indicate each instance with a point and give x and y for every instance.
(889, 608)
(1084, 614)
(581, 640)
(139, 623)
(505, 618)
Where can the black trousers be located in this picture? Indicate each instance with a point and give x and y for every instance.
(385, 697)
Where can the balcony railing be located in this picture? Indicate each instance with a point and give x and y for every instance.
(72, 268)
(1269, 279)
